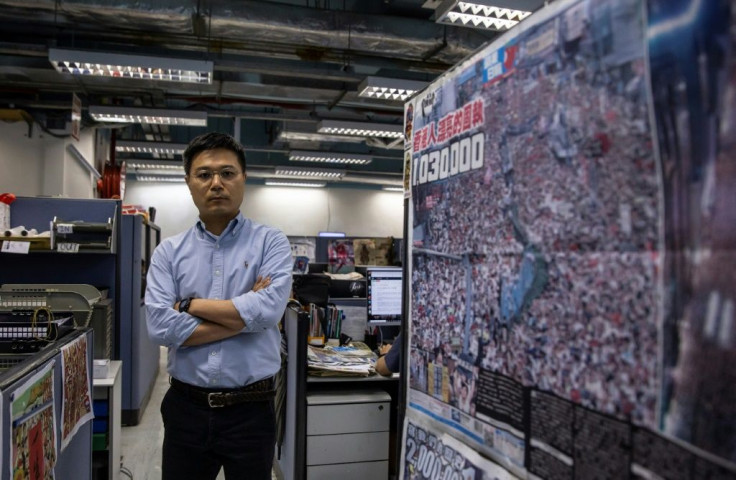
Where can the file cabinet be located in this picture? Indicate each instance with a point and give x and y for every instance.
(348, 435)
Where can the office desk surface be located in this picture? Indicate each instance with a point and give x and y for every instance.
(112, 372)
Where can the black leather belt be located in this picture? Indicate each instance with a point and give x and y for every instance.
(259, 391)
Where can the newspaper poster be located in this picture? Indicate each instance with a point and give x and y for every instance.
(303, 247)
(373, 251)
(572, 262)
(408, 136)
(2, 425)
(434, 455)
(340, 256)
(76, 407)
(33, 427)
(696, 85)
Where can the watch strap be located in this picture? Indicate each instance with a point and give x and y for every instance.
(184, 305)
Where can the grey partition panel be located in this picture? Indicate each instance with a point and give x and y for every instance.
(139, 355)
(291, 460)
(76, 459)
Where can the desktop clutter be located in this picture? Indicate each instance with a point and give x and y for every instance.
(330, 352)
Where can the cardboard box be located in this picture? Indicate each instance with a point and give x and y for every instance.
(100, 368)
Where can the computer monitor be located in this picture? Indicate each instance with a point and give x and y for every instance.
(384, 295)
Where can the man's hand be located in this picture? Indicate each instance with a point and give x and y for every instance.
(384, 349)
(261, 283)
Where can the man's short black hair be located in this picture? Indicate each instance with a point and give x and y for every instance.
(212, 141)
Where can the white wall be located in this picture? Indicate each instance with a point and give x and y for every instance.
(21, 161)
(296, 211)
(41, 164)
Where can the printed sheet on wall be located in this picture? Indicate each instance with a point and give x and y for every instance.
(76, 407)
(33, 427)
(573, 229)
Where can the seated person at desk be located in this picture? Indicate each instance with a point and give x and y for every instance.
(389, 358)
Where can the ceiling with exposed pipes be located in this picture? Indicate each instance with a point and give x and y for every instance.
(280, 67)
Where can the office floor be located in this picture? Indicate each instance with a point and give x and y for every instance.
(141, 444)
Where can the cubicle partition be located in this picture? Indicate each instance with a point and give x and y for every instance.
(139, 355)
(75, 460)
(118, 270)
(291, 451)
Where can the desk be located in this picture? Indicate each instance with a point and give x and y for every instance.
(292, 458)
(110, 388)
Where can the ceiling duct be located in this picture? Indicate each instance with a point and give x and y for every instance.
(268, 27)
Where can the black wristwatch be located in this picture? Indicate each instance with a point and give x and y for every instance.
(184, 304)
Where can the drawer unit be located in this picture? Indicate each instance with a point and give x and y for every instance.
(347, 447)
(331, 413)
(348, 435)
(352, 471)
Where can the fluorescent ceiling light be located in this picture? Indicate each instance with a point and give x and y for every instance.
(361, 129)
(150, 147)
(138, 164)
(160, 178)
(309, 172)
(155, 116)
(393, 189)
(482, 14)
(291, 136)
(285, 183)
(331, 234)
(389, 88)
(101, 64)
(329, 157)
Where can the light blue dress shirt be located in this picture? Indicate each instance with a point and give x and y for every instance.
(199, 264)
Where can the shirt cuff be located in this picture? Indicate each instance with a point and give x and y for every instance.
(182, 329)
(248, 310)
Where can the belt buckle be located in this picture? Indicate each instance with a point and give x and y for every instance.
(211, 400)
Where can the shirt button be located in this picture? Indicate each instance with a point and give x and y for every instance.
(213, 353)
(217, 247)
(217, 272)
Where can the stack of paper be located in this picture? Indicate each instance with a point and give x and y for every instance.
(340, 361)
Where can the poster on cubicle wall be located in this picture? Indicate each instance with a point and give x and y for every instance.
(33, 427)
(76, 407)
(573, 264)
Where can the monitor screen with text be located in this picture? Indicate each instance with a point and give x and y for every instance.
(384, 295)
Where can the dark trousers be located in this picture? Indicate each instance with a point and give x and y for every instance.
(199, 440)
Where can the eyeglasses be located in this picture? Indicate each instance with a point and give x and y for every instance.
(206, 176)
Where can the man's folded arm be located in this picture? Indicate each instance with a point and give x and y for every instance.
(262, 310)
(166, 326)
(208, 332)
(223, 312)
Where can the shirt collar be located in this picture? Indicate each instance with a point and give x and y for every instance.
(232, 229)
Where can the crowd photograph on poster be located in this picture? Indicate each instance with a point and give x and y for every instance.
(33, 433)
(572, 233)
(77, 404)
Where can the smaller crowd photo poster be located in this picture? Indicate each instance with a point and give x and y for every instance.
(33, 432)
(76, 409)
